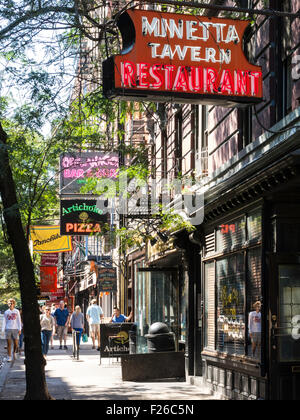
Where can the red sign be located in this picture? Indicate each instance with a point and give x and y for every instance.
(188, 58)
(227, 228)
(49, 259)
(60, 293)
(48, 277)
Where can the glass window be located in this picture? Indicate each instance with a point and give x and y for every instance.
(156, 301)
(140, 309)
(183, 306)
(231, 234)
(254, 225)
(209, 308)
(233, 290)
(254, 303)
(289, 313)
(230, 311)
(163, 299)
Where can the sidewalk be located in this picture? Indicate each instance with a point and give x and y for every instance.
(86, 379)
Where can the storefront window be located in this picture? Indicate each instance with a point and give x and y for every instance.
(230, 310)
(156, 301)
(231, 234)
(233, 293)
(254, 225)
(209, 306)
(140, 309)
(163, 299)
(254, 303)
(289, 313)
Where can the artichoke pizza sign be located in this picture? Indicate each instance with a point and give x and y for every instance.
(182, 58)
(81, 217)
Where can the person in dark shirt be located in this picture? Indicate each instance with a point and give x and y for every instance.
(61, 316)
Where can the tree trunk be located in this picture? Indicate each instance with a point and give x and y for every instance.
(36, 387)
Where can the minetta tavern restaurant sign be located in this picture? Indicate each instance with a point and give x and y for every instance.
(184, 58)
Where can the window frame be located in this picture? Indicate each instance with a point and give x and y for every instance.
(217, 255)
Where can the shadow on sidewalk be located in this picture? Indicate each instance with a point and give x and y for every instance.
(68, 379)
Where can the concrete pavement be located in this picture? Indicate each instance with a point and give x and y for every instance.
(87, 379)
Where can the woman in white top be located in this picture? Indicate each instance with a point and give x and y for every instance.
(12, 328)
(47, 323)
(254, 327)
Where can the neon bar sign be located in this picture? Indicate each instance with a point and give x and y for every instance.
(76, 168)
(189, 58)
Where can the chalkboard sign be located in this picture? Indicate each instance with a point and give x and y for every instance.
(114, 339)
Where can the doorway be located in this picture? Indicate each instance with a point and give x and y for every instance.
(285, 334)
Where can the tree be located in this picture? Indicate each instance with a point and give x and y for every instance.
(38, 65)
(42, 67)
(35, 374)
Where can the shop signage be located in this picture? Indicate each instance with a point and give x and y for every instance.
(48, 279)
(185, 58)
(114, 339)
(81, 217)
(47, 239)
(227, 228)
(107, 279)
(49, 259)
(77, 168)
(60, 293)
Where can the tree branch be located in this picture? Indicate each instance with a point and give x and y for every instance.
(34, 14)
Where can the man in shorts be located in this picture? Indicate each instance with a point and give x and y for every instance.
(61, 316)
(12, 327)
(94, 315)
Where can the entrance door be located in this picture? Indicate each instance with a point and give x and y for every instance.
(156, 301)
(285, 337)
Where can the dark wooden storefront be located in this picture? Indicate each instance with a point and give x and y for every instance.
(257, 258)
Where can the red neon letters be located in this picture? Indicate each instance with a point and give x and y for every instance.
(189, 79)
(83, 228)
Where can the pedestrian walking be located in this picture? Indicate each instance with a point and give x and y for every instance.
(254, 327)
(12, 327)
(53, 308)
(61, 316)
(77, 323)
(47, 322)
(94, 315)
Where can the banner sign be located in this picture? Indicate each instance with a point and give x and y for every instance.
(48, 278)
(47, 239)
(182, 58)
(49, 259)
(119, 344)
(81, 217)
(76, 168)
(107, 279)
(59, 294)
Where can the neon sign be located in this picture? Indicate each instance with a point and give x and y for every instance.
(189, 58)
(81, 217)
(228, 228)
(77, 168)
